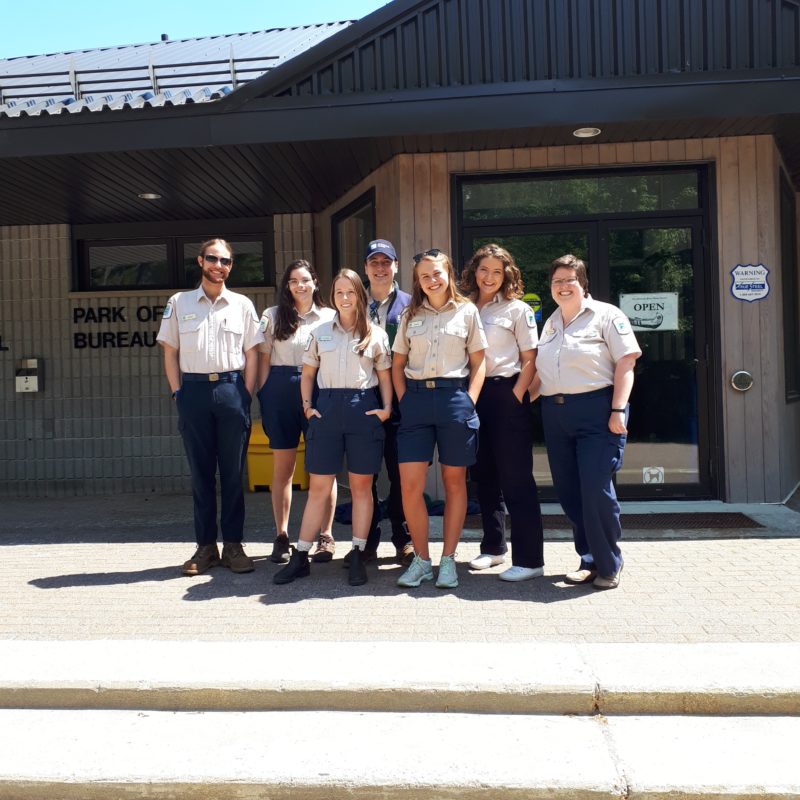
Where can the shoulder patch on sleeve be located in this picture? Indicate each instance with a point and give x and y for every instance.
(622, 325)
(262, 326)
(167, 311)
(530, 318)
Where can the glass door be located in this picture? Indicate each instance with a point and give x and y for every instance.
(653, 270)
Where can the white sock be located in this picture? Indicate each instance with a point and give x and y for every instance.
(304, 547)
(359, 544)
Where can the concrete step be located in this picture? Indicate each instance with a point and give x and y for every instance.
(330, 754)
(425, 677)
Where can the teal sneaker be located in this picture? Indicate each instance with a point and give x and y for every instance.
(419, 571)
(448, 577)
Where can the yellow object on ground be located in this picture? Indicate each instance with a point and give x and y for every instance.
(260, 464)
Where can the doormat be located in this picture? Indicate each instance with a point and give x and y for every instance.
(688, 521)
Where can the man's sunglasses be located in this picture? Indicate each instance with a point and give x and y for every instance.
(225, 262)
(434, 253)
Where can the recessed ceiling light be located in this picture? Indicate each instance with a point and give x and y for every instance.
(586, 133)
(149, 196)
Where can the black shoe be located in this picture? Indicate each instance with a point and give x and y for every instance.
(298, 567)
(280, 549)
(369, 554)
(358, 572)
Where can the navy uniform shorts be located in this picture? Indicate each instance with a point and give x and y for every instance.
(439, 413)
(344, 429)
(282, 408)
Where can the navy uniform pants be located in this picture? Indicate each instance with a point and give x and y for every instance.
(504, 472)
(214, 421)
(584, 455)
(396, 516)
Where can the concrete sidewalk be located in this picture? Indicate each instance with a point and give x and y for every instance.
(107, 568)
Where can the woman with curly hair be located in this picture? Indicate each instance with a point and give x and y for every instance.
(504, 472)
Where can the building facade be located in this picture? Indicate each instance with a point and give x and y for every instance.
(443, 123)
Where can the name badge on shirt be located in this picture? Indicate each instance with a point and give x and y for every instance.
(415, 323)
(324, 338)
(187, 317)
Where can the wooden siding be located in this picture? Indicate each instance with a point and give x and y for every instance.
(759, 430)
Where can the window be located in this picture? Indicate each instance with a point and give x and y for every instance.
(791, 290)
(352, 229)
(164, 255)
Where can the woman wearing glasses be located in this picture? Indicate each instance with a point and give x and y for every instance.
(504, 472)
(438, 370)
(348, 358)
(584, 374)
(287, 329)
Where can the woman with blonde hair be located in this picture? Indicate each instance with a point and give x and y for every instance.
(348, 358)
(438, 370)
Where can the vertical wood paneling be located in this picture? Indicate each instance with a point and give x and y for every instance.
(440, 203)
(406, 194)
(731, 318)
(750, 334)
(422, 203)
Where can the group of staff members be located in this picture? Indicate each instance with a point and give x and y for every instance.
(383, 375)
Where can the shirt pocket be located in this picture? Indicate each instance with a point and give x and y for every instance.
(418, 344)
(327, 346)
(232, 334)
(591, 334)
(499, 331)
(455, 338)
(191, 335)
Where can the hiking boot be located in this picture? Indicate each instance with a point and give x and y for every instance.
(419, 571)
(405, 554)
(205, 557)
(326, 547)
(235, 559)
(280, 549)
(447, 577)
(358, 573)
(298, 567)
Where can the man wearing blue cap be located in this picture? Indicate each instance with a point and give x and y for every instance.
(386, 303)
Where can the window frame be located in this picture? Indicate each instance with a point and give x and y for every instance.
(174, 235)
(367, 198)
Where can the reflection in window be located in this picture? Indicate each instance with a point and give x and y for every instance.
(128, 265)
(571, 196)
(248, 263)
(353, 228)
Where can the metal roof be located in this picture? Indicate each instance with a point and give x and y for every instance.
(149, 75)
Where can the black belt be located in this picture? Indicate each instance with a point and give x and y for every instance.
(437, 383)
(286, 368)
(503, 379)
(561, 399)
(212, 377)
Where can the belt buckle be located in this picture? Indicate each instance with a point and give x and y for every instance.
(430, 384)
(559, 400)
(213, 377)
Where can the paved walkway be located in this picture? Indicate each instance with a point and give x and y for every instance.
(106, 568)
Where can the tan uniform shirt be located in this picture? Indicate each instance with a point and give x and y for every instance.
(289, 352)
(582, 357)
(210, 337)
(438, 343)
(382, 310)
(333, 351)
(510, 327)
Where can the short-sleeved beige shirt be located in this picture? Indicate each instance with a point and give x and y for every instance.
(510, 327)
(582, 357)
(289, 352)
(438, 343)
(210, 336)
(333, 350)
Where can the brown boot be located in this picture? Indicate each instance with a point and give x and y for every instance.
(325, 549)
(205, 557)
(235, 559)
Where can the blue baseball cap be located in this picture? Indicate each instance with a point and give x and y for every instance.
(380, 247)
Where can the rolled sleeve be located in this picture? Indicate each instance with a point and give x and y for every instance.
(401, 344)
(526, 335)
(476, 337)
(168, 330)
(252, 331)
(311, 355)
(620, 338)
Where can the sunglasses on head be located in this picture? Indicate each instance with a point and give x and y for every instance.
(226, 262)
(434, 253)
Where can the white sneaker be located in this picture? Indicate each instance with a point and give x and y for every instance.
(484, 561)
(521, 573)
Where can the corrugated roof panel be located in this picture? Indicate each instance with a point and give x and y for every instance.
(149, 75)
